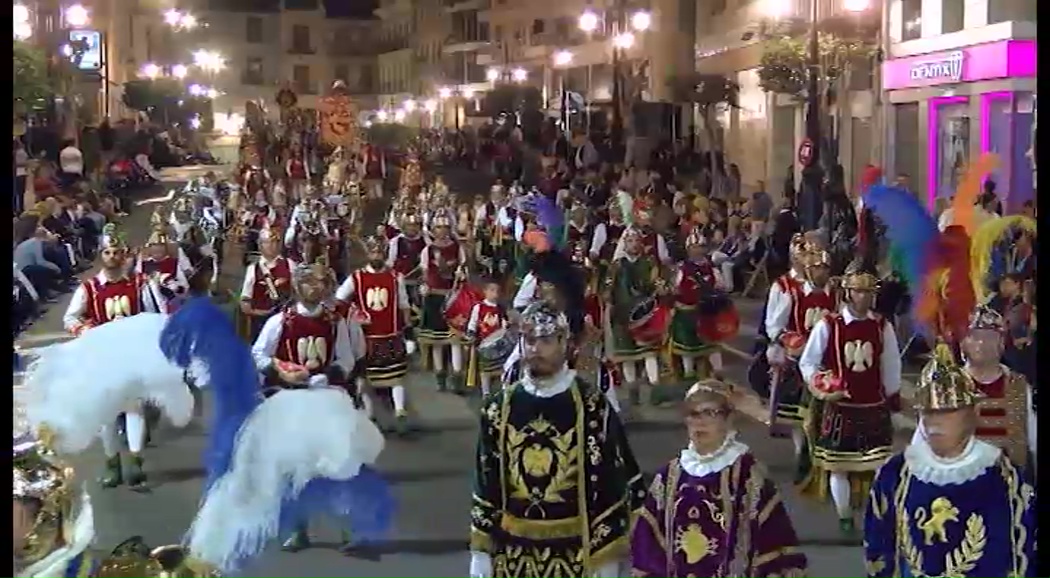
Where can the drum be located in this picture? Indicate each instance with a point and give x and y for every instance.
(718, 320)
(498, 346)
(458, 305)
(649, 322)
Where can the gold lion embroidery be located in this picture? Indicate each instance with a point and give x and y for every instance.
(543, 463)
(942, 511)
(692, 542)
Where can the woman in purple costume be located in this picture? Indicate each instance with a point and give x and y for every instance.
(713, 511)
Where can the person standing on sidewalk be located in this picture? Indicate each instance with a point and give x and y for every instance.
(21, 160)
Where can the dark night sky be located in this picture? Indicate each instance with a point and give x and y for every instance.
(350, 8)
(334, 8)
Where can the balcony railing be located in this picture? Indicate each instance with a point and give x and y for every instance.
(300, 49)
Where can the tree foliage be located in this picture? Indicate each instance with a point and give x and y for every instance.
(146, 95)
(842, 43)
(31, 82)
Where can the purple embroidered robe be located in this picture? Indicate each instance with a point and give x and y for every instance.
(728, 524)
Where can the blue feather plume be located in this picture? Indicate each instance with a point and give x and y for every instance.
(202, 332)
(364, 505)
(551, 218)
(911, 229)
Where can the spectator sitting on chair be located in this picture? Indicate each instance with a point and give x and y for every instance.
(730, 255)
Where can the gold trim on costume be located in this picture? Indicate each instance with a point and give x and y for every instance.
(540, 529)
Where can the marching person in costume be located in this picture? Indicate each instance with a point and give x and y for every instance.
(442, 263)
(378, 296)
(851, 363)
(307, 343)
(263, 464)
(696, 279)
(1005, 416)
(115, 293)
(788, 326)
(529, 477)
(606, 237)
(680, 533)
(486, 318)
(950, 504)
(373, 167)
(160, 260)
(298, 172)
(267, 285)
(653, 243)
(404, 254)
(635, 282)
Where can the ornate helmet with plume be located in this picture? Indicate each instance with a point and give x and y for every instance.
(984, 317)
(270, 232)
(410, 218)
(306, 272)
(797, 246)
(441, 219)
(159, 236)
(115, 239)
(944, 384)
(541, 319)
(858, 278)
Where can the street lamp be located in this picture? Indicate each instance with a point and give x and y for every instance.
(562, 59)
(180, 71)
(382, 115)
(150, 71)
(444, 92)
(641, 20)
(492, 74)
(77, 16)
(588, 22)
(209, 61)
(409, 105)
(23, 28)
(811, 198)
(519, 75)
(624, 40)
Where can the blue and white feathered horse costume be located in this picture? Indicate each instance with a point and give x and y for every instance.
(267, 472)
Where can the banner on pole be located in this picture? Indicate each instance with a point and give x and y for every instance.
(338, 116)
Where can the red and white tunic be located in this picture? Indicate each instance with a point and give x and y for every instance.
(100, 300)
(315, 338)
(264, 279)
(379, 296)
(439, 264)
(404, 254)
(485, 319)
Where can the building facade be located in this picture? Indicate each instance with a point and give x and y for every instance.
(960, 80)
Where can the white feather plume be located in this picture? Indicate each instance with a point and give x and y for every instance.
(291, 438)
(80, 385)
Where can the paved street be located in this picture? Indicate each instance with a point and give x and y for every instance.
(430, 474)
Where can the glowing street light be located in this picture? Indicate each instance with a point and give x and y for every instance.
(23, 29)
(77, 16)
(588, 21)
(776, 8)
(172, 17)
(856, 5)
(150, 71)
(399, 115)
(563, 58)
(641, 21)
(180, 71)
(467, 93)
(444, 92)
(209, 61)
(382, 115)
(430, 105)
(195, 122)
(213, 94)
(409, 105)
(519, 75)
(197, 90)
(624, 40)
(189, 21)
(492, 74)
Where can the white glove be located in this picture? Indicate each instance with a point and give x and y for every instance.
(775, 354)
(423, 290)
(410, 347)
(480, 565)
(319, 381)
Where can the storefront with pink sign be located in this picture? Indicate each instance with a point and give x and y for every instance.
(946, 108)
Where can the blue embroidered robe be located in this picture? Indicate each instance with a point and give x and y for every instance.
(980, 528)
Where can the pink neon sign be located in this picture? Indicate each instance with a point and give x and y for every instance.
(1003, 59)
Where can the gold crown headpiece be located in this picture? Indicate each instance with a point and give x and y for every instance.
(157, 218)
(984, 317)
(440, 220)
(944, 384)
(797, 245)
(859, 279)
(115, 239)
(374, 243)
(815, 257)
(411, 218)
(158, 237)
(270, 232)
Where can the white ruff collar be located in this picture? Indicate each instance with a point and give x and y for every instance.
(969, 465)
(699, 465)
(549, 386)
(81, 534)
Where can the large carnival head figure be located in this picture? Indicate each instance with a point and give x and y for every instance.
(945, 398)
(817, 264)
(311, 283)
(984, 342)
(46, 503)
(270, 242)
(544, 339)
(696, 245)
(633, 243)
(861, 287)
(114, 252)
(441, 226)
(376, 251)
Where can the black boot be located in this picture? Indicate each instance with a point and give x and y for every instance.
(136, 477)
(113, 475)
(442, 380)
(298, 541)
